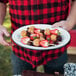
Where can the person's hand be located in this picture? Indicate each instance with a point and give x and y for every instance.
(64, 24)
(3, 32)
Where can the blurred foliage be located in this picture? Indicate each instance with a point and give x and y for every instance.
(7, 22)
(5, 61)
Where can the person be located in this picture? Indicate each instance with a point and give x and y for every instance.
(25, 12)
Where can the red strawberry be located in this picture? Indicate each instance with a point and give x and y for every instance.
(25, 40)
(48, 37)
(33, 36)
(40, 34)
(47, 31)
(44, 43)
(55, 31)
(51, 42)
(37, 30)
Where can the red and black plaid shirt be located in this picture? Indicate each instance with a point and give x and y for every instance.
(25, 12)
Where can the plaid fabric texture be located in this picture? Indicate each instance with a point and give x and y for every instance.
(25, 12)
(4, 1)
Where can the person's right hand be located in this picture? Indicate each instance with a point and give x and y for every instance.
(3, 32)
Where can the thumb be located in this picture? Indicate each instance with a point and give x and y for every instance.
(59, 24)
(6, 33)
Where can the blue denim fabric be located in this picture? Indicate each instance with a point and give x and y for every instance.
(56, 65)
(19, 65)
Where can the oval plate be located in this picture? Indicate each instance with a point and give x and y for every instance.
(16, 37)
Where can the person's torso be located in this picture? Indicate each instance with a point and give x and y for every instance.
(25, 12)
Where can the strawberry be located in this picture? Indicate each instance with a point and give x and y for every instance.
(47, 31)
(25, 40)
(55, 31)
(48, 37)
(44, 43)
(37, 30)
(33, 36)
(51, 42)
(40, 34)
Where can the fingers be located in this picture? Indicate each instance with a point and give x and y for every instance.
(56, 24)
(11, 44)
(56, 73)
(59, 24)
(6, 33)
(3, 31)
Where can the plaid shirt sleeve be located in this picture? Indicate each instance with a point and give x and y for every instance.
(4, 1)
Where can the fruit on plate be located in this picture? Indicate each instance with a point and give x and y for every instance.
(47, 31)
(44, 43)
(31, 29)
(59, 38)
(36, 30)
(51, 42)
(40, 34)
(34, 36)
(23, 33)
(25, 40)
(48, 37)
(40, 37)
(55, 31)
(53, 37)
(36, 42)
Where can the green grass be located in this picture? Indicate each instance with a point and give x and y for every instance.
(5, 61)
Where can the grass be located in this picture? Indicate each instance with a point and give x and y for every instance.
(5, 61)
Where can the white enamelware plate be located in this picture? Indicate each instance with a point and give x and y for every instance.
(16, 37)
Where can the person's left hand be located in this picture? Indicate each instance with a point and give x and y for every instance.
(64, 24)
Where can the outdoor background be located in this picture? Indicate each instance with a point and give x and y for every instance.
(5, 61)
